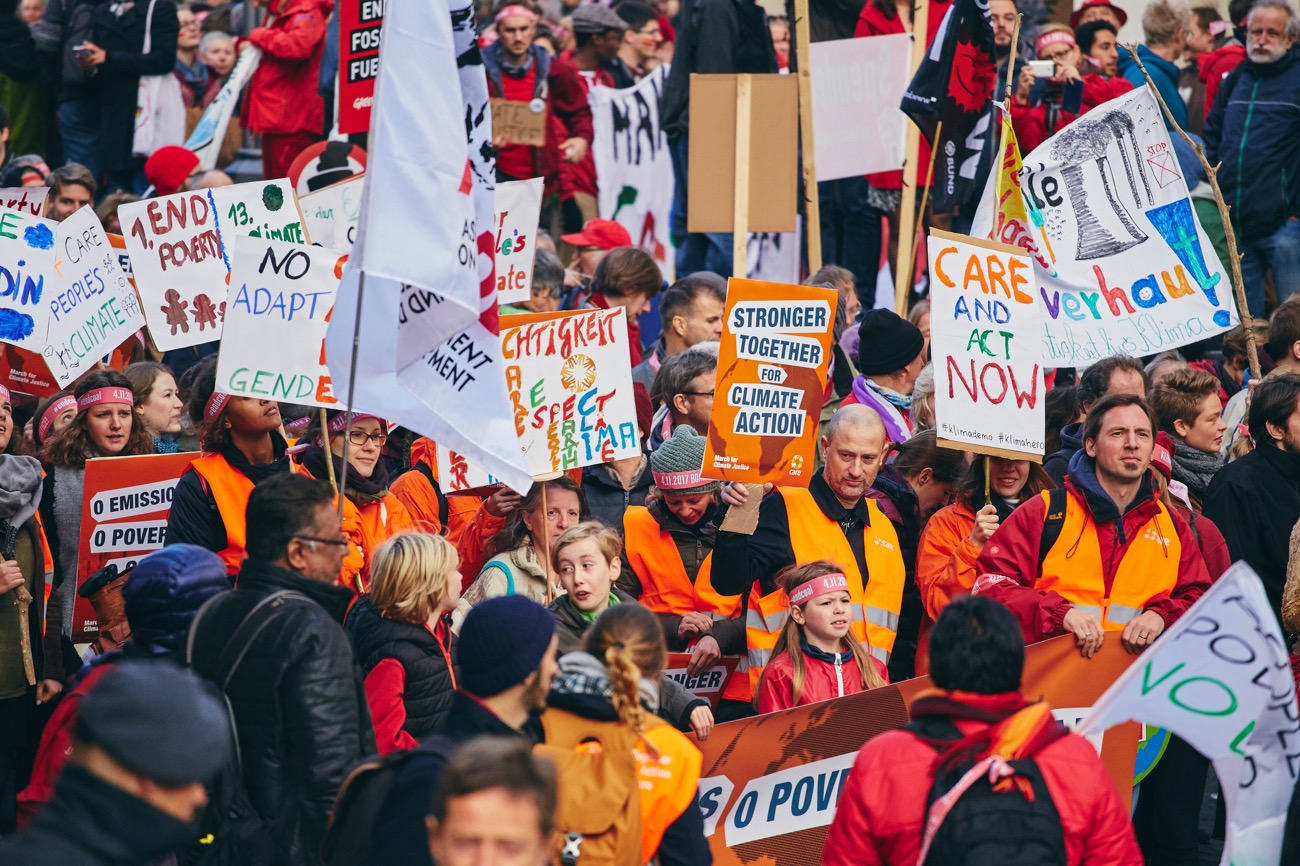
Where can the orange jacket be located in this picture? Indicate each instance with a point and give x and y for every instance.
(421, 501)
(366, 527)
(945, 559)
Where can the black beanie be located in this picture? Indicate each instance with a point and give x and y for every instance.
(502, 641)
(887, 343)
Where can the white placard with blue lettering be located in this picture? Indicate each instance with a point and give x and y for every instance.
(26, 276)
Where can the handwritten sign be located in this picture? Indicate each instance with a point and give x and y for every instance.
(92, 306)
(181, 265)
(518, 122)
(986, 329)
(330, 215)
(265, 209)
(776, 349)
(518, 205)
(124, 511)
(280, 300)
(569, 379)
(28, 199)
(26, 272)
(709, 683)
(456, 474)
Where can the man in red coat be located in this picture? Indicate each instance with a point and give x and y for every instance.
(976, 661)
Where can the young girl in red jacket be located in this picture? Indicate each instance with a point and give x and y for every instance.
(817, 658)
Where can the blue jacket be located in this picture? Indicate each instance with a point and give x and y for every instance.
(1163, 73)
(1254, 131)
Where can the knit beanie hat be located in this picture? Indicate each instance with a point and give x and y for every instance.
(502, 641)
(888, 343)
(676, 465)
(1162, 455)
(169, 168)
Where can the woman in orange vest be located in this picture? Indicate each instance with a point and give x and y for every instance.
(371, 514)
(242, 445)
(611, 689)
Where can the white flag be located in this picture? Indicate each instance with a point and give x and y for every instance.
(1221, 680)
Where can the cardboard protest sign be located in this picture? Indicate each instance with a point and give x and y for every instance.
(26, 273)
(28, 199)
(123, 518)
(518, 205)
(181, 265)
(456, 474)
(709, 683)
(857, 86)
(632, 160)
(769, 785)
(92, 306)
(330, 215)
(280, 300)
(569, 377)
(359, 26)
(776, 348)
(986, 338)
(519, 122)
(1135, 272)
(260, 209)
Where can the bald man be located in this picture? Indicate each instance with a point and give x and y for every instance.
(832, 520)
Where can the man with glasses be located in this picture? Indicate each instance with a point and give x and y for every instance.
(685, 385)
(1254, 131)
(277, 648)
(639, 53)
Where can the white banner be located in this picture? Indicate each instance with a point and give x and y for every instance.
(518, 205)
(92, 307)
(27, 259)
(633, 163)
(331, 214)
(857, 86)
(1135, 272)
(260, 209)
(455, 473)
(28, 199)
(210, 132)
(280, 300)
(1220, 678)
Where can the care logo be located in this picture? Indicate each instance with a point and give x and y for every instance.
(796, 462)
(1152, 534)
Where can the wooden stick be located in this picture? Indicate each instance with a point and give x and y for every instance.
(546, 544)
(740, 199)
(1011, 63)
(988, 478)
(925, 195)
(812, 202)
(329, 453)
(1211, 173)
(907, 210)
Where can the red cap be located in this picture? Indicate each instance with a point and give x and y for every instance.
(170, 167)
(1162, 456)
(606, 234)
(1078, 12)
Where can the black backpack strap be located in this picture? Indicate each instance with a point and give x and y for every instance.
(934, 730)
(1053, 522)
(241, 639)
(444, 509)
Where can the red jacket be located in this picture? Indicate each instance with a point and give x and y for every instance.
(1030, 121)
(821, 683)
(1214, 66)
(581, 177)
(284, 95)
(1012, 552)
(882, 807)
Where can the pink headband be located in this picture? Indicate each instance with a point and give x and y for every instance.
(341, 421)
(515, 10)
(4, 393)
(1056, 37)
(105, 395)
(819, 586)
(52, 412)
(215, 404)
(679, 480)
(297, 426)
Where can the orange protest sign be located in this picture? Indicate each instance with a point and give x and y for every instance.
(769, 785)
(776, 349)
(708, 683)
(124, 511)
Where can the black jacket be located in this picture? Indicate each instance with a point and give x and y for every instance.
(1057, 464)
(899, 503)
(88, 822)
(606, 497)
(298, 701)
(194, 518)
(429, 683)
(1255, 502)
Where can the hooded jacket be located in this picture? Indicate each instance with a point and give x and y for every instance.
(1254, 132)
(606, 497)
(945, 559)
(1057, 464)
(1164, 75)
(1215, 66)
(284, 97)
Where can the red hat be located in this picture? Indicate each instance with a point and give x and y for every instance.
(170, 167)
(1084, 4)
(1162, 456)
(606, 234)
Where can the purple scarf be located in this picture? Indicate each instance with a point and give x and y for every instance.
(888, 412)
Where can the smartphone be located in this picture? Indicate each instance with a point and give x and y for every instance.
(1042, 68)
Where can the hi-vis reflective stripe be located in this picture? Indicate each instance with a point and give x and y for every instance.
(880, 654)
(758, 658)
(1088, 608)
(742, 666)
(883, 618)
(1121, 615)
(772, 624)
(718, 617)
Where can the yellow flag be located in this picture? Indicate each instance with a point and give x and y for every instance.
(1016, 221)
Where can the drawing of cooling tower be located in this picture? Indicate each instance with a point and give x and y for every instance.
(1104, 229)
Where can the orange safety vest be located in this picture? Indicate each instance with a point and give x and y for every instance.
(230, 490)
(1073, 567)
(666, 588)
(876, 600)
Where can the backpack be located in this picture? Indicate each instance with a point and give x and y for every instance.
(232, 832)
(984, 827)
(505, 568)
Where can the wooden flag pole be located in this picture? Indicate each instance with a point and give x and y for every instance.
(325, 436)
(546, 546)
(740, 199)
(925, 195)
(907, 211)
(812, 227)
(352, 383)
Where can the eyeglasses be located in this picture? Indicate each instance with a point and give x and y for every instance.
(698, 393)
(361, 437)
(332, 542)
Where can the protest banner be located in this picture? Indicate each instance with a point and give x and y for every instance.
(272, 347)
(210, 132)
(260, 209)
(92, 308)
(181, 266)
(1135, 272)
(360, 22)
(124, 511)
(1221, 679)
(457, 475)
(518, 205)
(634, 165)
(330, 215)
(986, 338)
(26, 372)
(520, 122)
(1016, 221)
(776, 348)
(569, 377)
(27, 199)
(769, 785)
(709, 683)
(857, 85)
(26, 264)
